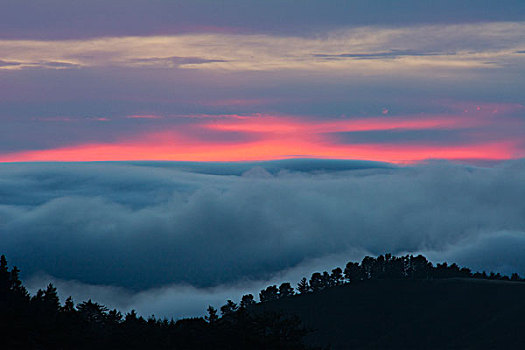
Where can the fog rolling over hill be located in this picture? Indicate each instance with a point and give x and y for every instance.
(171, 238)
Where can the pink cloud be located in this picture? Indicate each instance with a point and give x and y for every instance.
(265, 137)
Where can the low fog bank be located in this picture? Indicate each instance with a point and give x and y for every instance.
(183, 300)
(179, 301)
(174, 238)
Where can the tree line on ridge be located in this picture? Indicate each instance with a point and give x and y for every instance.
(41, 321)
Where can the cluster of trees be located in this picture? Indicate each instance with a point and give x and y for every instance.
(41, 322)
(383, 267)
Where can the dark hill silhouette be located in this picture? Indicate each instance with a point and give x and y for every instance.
(384, 302)
(420, 314)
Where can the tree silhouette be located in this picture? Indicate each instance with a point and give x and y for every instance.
(420, 267)
(93, 312)
(114, 317)
(212, 315)
(286, 290)
(327, 281)
(4, 275)
(303, 286)
(317, 282)
(336, 278)
(246, 301)
(353, 272)
(69, 306)
(269, 294)
(229, 308)
(50, 298)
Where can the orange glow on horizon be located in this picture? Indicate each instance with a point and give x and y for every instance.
(264, 151)
(270, 150)
(269, 138)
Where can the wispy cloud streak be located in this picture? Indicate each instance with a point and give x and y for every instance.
(365, 50)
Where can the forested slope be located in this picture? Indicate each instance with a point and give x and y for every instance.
(424, 314)
(384, 302)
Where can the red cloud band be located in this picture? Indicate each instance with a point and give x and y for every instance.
(285, 137)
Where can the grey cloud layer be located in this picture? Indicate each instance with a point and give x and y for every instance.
(142, 226)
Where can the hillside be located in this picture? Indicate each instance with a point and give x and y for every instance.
(437, 314)
(386, 302)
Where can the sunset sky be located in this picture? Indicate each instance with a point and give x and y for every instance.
(408, 117)
(236, 80)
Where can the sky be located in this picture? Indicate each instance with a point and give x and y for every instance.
(399, 82)
(167, 155)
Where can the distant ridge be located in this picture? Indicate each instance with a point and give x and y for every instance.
(273, 167)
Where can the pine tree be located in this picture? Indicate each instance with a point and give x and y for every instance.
(303, 286)
(212, 317)
(50, 298)
(95, 313)
(69, 305)
(4, 275)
